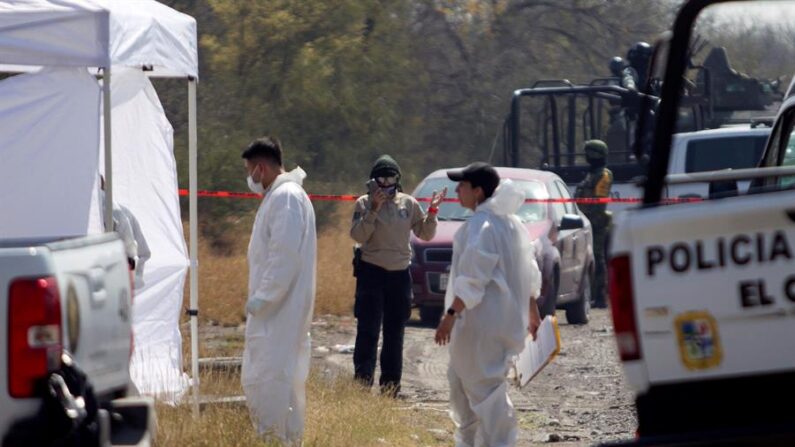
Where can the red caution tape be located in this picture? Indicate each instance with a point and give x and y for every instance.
(352, 198)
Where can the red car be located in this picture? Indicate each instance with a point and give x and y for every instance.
(560, 232)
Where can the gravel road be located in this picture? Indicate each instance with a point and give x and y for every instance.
(580, 399)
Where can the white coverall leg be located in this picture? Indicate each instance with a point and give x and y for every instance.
(480, 407)
(276, 356)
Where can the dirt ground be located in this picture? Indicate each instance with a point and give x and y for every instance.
(580, 399)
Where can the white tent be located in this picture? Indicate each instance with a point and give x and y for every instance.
(95, 33)
(105, 35)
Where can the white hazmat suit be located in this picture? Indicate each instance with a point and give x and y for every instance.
(281, 259)
(494, 272)
(129, 230)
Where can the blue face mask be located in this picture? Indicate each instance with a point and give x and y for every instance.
(389, 190)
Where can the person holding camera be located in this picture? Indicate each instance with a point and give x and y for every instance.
(382, 224)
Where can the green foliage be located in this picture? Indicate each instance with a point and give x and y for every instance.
(343, 81)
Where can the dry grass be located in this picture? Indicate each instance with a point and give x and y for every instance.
(335, 282)
(339, 413)
(223, 278)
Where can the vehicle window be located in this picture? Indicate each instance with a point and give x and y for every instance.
(533, 212)
(570, 207)
(788, 160)
(724, 153)
(447, 210)
(529, 212)
(558, 207)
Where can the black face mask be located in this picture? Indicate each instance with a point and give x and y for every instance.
(596, 162)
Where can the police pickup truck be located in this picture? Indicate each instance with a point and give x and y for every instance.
(65, 306)
(703, 294)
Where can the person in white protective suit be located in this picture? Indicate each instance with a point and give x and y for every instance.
(281, 295)
(129, 230)
(491, 306)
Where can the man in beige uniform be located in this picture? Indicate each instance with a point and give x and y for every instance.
(382, 223)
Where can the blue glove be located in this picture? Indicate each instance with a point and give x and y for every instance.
(254, 305)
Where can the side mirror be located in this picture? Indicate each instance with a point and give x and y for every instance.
(571, 222)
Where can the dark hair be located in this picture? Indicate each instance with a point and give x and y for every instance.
(268, 148)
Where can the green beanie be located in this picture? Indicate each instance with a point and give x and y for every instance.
(385, 166)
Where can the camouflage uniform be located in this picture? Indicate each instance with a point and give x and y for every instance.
(597, 184)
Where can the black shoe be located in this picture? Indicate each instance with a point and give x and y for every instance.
(599, 305)
(390, 390)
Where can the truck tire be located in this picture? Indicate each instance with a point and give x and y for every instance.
(430, 315)
(579, 311)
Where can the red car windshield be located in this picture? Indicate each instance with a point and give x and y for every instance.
(529, 212)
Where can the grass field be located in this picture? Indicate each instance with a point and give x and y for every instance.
(339, 412)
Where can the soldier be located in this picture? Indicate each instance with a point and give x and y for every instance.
(639, 58)
(597, 184)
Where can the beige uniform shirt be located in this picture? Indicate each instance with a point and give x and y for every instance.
(384, 236)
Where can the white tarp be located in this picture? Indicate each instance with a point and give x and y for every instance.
(148, 33)
(59, 32)
(79, 33)
(49, 143)
(145, 181)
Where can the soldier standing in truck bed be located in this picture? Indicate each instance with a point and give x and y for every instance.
(597, 184)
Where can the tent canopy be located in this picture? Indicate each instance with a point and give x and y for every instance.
(97, 33)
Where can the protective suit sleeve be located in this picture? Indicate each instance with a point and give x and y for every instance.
(122, 226)
(424, 225)
(534, 273)
(363, 224)
(476, 267)
(143, 251)
(286, 234)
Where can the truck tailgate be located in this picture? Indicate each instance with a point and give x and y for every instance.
(714, 287)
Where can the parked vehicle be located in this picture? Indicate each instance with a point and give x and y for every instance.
(738, 147)
(64, 367)
(561, 234)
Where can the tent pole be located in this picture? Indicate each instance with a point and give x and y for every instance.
(194, 243)
(106, 109)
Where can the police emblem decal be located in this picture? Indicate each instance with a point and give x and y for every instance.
(699, 342)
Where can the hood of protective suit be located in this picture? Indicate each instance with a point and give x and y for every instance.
(506, 200)
(297, 175)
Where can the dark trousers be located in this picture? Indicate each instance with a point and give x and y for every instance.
(599, 285)
(381, 295)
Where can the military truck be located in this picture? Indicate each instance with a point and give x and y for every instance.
(549, 121)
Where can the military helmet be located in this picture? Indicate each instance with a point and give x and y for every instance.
(595, 149)
(639, 53)
(616, 65)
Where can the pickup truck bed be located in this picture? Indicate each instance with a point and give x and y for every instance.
(67, 307)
